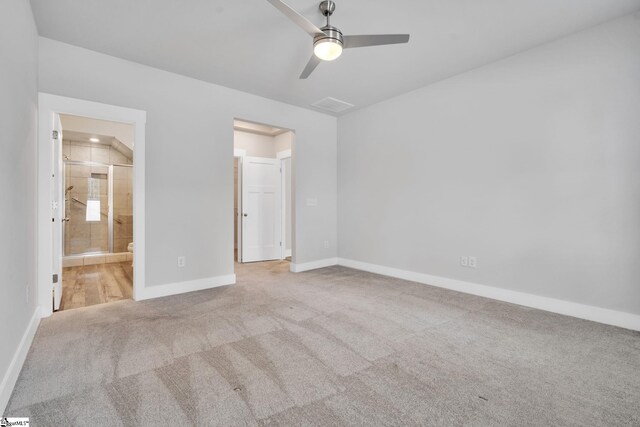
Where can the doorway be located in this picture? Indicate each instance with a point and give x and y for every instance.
(90, 203)
(263, 167)
(97, 206)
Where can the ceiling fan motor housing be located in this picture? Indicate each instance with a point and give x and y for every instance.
(330, 34)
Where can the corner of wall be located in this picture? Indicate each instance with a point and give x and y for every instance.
(13, 371)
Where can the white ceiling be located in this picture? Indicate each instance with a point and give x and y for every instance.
(250, 46)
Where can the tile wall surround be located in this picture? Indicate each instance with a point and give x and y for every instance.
(84, 237)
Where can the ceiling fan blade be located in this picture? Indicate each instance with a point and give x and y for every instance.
(374, 40)
(311, 65)
(302, 22)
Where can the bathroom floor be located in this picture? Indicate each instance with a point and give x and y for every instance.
(96, 284)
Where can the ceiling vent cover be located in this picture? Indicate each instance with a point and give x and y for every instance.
(333, 105)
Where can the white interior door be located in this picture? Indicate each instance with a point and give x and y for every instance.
(261, 209)
(57, 210)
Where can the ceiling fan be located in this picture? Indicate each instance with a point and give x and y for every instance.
(328, 41)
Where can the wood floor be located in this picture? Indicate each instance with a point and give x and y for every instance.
(96, 284)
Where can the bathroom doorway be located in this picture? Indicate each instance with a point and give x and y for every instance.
(97, 206)
(263, 195)
(51, 193)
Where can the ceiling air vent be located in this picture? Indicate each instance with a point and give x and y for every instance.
(332, 105)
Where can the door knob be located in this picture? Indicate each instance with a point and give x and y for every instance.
(246, 214)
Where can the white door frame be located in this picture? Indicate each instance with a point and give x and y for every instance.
(239, 153)
(57, 210)
(48, 106)
(293, 154)
(283, 155)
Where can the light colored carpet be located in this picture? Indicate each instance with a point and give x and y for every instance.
(329, 347)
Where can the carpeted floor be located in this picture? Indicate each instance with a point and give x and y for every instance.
(328, 347)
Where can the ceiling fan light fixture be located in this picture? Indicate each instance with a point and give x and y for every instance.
(328, 41)
(327, 49)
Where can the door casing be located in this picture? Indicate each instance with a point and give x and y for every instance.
(48, 106)
(282, 156)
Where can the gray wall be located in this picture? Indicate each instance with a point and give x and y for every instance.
(18, 116)
(189, 158)
(531, 164)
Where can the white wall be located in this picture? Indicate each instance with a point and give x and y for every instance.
(189, 158)
(255, 145)
(531, 164)
(284, 141)
(18, 117)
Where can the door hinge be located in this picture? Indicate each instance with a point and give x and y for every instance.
(54, 134)
(280, 243)
(55, 278)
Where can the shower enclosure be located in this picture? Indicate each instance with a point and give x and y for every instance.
(98, 206)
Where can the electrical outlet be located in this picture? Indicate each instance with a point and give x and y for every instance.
(473, 262)
(326, 244)
(464, 261)
(182, 261)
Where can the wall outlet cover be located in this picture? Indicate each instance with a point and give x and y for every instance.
(182, 261)
(464, 261)
(473, 262)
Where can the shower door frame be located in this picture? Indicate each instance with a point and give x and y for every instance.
(110, 217)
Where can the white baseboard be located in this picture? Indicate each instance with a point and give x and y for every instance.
(287, 253)
(306, 266)
(183, 287)
(11, 376)
(582, 311)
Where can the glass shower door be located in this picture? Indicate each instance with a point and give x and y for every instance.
(122, 207)
(86, 227)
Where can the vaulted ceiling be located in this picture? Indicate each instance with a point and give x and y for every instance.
(250, 46)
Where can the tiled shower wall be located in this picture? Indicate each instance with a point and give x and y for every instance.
(82, 236)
